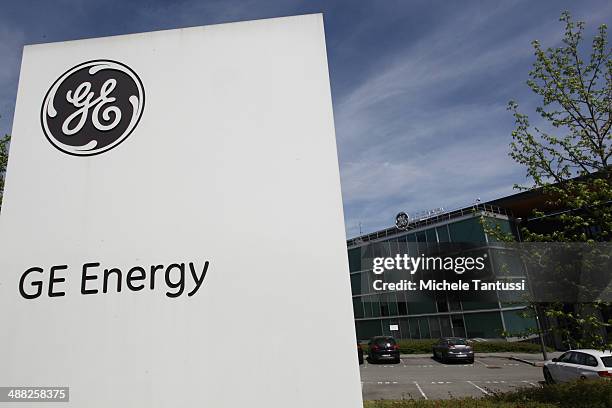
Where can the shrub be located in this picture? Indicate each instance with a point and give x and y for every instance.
(415, 346)
(425, 346)
(578, 394)
(504, 346)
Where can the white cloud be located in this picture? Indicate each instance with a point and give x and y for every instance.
(407, 141)
(410, 135)
(419, 125)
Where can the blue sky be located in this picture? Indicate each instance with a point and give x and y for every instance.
(419, 87)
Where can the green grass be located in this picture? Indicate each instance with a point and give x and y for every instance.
(453, 403)
(579, 394)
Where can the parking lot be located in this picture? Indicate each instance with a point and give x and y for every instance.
(426, 378)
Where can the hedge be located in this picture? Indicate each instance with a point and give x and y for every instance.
(425, 347)
(579, 394)
(504, 346)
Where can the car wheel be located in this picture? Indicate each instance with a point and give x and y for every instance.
(471, 361)
(548, 377)
(443, 358)
(397, 360)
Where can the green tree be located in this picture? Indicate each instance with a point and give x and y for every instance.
(4, 148)
(573, 139)
(567, 156)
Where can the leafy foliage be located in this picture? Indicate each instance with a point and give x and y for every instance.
(4, 147)
(425, 346)
(577, 394)
(567, 157)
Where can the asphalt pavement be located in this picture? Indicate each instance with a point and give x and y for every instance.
(422, 377)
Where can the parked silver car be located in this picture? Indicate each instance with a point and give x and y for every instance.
(579, 364)
(453, 348)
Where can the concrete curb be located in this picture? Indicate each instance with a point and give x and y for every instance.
(532, 363)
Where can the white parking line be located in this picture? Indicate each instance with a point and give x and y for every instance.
(420, 389)
(480, 362)
(530, 383)
(436, 366)
(485, 392)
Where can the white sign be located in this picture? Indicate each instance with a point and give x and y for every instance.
(172, 231)
(393, 327)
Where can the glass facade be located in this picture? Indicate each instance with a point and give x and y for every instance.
(417, 316)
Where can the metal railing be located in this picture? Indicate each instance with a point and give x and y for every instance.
(430, 220)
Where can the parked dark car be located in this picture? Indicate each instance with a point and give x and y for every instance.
(453, 348)
(383, 348)
(360, 353)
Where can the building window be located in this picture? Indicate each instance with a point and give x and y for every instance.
(414, 328)
(366, 329)
(354, 256)
(434, 327)
(485, 325)
(445, 326)
(442, 305)
(469, 230)
(356, 283)
(424, 327)
(443, 234)
(458, 325)
(517, 324)
(357, 307)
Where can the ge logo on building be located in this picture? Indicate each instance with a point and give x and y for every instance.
(92, 107)
(402, 221)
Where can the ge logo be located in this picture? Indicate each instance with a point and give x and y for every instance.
(402, 220)
(92, 107)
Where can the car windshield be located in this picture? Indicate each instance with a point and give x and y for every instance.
(607, 361)
(457, 342)
(384, 341)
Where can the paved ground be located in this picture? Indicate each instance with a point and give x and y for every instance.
(421, 377)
